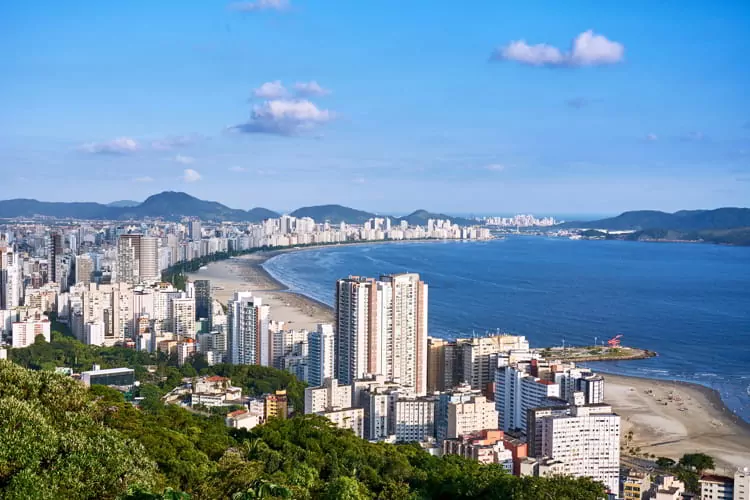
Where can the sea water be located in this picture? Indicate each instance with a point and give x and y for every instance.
(688, 302)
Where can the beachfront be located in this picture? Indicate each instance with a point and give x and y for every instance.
(705, 425)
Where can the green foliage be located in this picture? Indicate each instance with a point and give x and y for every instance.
(258, 380)
(53, 446)
(665, 463)
(697, 461)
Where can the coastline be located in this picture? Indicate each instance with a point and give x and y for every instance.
(708, 425)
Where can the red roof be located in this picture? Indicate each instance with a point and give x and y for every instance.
(216, 378)
(236, 413)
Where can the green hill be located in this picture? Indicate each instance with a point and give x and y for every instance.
(334, 214)
(684, 220)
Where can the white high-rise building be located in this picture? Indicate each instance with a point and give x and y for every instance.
(149, 260)
(587, 442)
(329, 395)
(183, 317)
(742, 484)
(84, 269)
(248, 341)
(137, 259)
(466, 417)
(320, 355)
(381, 328)
(94, 333)
(285, 343)
(25, 332)
(11, 282)
(516, 392)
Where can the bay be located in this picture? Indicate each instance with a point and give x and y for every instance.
(688, 302)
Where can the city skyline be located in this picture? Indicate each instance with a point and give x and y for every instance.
(490, 109)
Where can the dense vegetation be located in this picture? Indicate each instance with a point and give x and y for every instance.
(683, 221)
(60, 440)
(688, 469)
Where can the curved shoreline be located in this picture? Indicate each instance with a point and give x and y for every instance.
(715, 394)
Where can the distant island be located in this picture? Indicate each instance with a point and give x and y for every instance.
(171, 205)
(728, 226)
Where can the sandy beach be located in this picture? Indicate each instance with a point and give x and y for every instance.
(246, 273)
(694, 419)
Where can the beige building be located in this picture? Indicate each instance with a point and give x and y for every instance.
(467, 417)
(330, 394)
(347, 418)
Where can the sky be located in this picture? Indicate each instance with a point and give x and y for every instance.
(459, 107)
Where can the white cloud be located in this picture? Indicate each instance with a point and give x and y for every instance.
(143, 179)
(237, 168)
(495, 167)
(310, 89)
(260, 5)
(652, 137)
(588, 49)
(359, 180)
(190, 175)
(694, 136)
(119, 146)
(271, 90)
(284, 117)
(185, 160)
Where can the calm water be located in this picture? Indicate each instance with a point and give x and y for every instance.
(689, 302)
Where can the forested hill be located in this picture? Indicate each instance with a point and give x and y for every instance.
(684, 220)
(74, 443)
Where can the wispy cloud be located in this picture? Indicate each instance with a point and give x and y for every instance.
(175, 142)
(694, 137)
(284, 117)
(587, 49)
(260, 5)
(652, 137)
(237, 168)
(578, 102)
(495, 167)
(190, 175)
(143, 179)
(271, 90)
(184, 160)
(310, 89)
(119, 146)
(359, 180)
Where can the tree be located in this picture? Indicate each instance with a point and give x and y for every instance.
(345, 488)
(698, 462)
(665, 463)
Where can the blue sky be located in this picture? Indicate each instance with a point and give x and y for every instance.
(486, 106)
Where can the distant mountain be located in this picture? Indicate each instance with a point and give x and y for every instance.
(259, 214)
(173, 205)
(684, 220)
(124, 203)
(31, 208)
(420, 218)
(334, 214)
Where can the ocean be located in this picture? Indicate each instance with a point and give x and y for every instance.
(688, 302)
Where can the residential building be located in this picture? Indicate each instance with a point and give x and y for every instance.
(186, 348)
(243, 419)
(742, 484)
(277, 405)
(320, 355)
(25, 332)
(715, 487)
(461, 394)
(94, 333)
(487, 447)
(84, 269)
(381, 328)
(466, 417)
(137, 259)
(287, 343)
(248, 341)
(666, 488)
(11, 279)
(440, 365)
(182, 314)
(413, 418)
(347, 418)
(635, 485)
(516, 392)
(479, 357)
(330, 394)
(587, 442)
(203, 300)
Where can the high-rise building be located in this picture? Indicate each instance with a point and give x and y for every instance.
(203, 300)
(587, 442)
(84, 269)
(381, 328)
(329, 395)
(742, 484)
(440, 359)
(248, 337)
(470, 416)
(320, 355)
(11, 282)
(195, 232)
(516, 392)
(137, 259)
(55, 249)
(183, 317)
